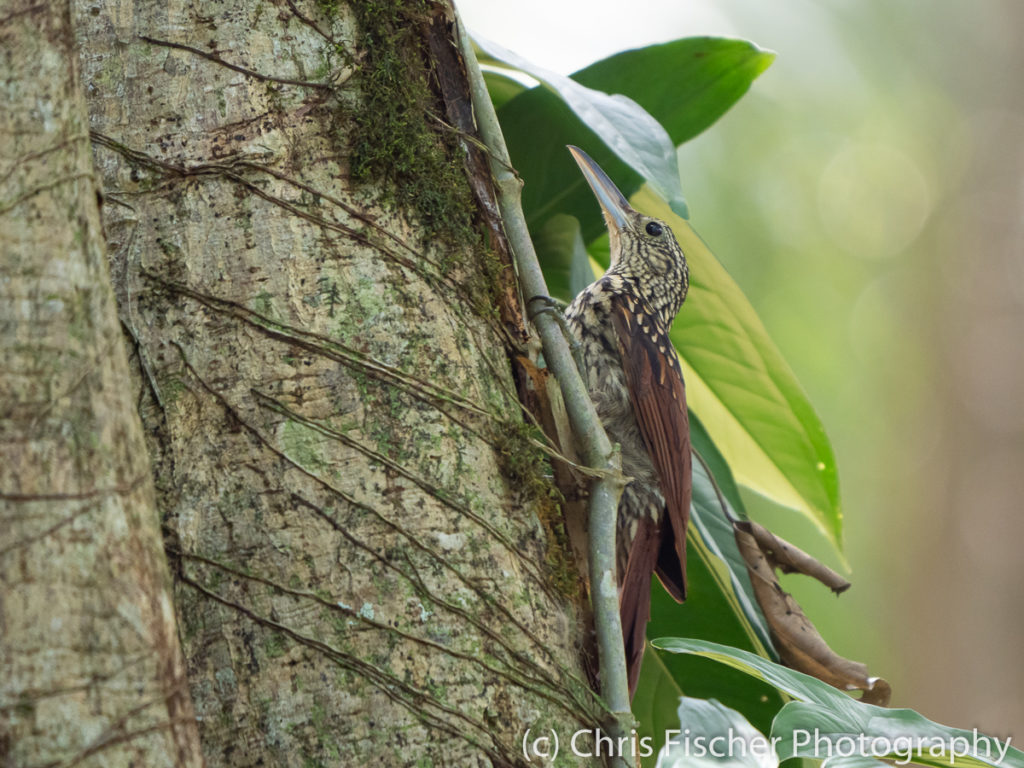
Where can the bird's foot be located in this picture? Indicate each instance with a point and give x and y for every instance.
(539, 305)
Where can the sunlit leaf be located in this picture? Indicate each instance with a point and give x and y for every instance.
(744, 391)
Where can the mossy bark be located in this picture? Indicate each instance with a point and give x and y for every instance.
(91, 673)
(363, 576)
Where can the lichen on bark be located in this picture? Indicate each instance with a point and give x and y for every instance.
(91, 672)
(359, 578)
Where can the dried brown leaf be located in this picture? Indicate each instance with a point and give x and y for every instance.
(790, 559)
(799, 644)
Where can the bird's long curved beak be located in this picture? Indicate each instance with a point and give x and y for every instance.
(615, 207)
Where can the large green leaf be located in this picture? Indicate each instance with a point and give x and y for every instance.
(502, 88)
(626, 128)
(553, 187)
(713, 538)
(795, 684)
(537, 126)
(743, 390)
(689, 85)
(566, 264)
(810, 730)
(657, 696)
(825, 722)
(685, 84)
(665, 676)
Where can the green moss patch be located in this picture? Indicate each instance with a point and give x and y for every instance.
(397, 137)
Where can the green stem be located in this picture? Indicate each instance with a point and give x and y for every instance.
(595, 448)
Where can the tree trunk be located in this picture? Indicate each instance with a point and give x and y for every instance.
(91, 672)
(365, 549)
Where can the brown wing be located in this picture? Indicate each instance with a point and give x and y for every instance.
(658, 395)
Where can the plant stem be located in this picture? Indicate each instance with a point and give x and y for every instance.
(595, 448)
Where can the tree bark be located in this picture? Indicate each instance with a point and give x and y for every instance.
(367, 560)
(91, 672)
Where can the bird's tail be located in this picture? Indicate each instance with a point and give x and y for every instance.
(635, 596)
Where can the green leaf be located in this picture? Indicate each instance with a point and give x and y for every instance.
(702, 444)
(623, 125)
(689, 85)
(711, 735)
(686, 84)
(855, 761)
(712, 537)
(502, 88)
(744, 391)
(560, 249)
(654, 704)
(552, 183)
(808, 730)
(825, 723)
(795, 684)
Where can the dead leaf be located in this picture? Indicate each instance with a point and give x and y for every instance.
(799, 644)
(790, 559)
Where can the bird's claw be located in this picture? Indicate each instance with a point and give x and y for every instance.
(556, 307)
(548, 303)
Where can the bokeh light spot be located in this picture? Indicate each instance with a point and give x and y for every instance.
(873, 200)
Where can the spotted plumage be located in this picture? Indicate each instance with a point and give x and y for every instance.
(621, 323)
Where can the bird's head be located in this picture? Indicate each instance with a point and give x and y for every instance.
(643, 249)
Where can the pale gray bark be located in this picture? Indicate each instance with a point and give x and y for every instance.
(363, 575)
(91, 673)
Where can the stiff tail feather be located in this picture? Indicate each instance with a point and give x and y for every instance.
(652, 548)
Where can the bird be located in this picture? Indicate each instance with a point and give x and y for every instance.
(620, 326)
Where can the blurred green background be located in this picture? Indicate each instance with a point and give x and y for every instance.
(868, 195)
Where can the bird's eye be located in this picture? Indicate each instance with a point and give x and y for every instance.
(653, 228)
